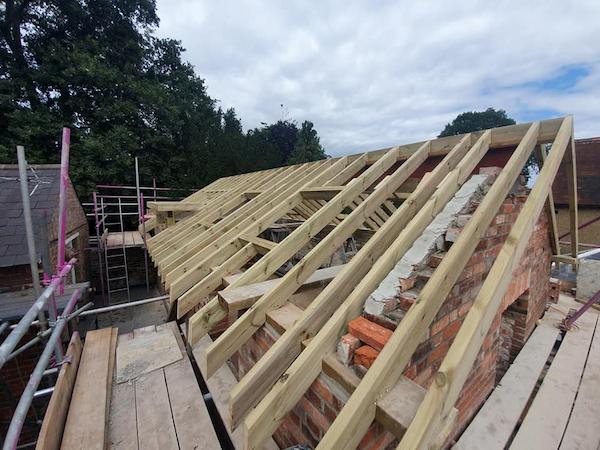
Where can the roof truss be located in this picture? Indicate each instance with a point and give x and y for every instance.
(369, 192)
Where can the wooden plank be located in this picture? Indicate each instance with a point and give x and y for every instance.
(154, 419)
(148, 351)
(176, 206)
(283, 318)
(462, 354)
(220, 385)
(321, 192)
(56, 413)
(193, 425)
(122, 429)
(262, 245)
(565, 259)
(583, 430)
(213, 280)
(494, 424)
(571, 169)
(245, 296)
(542, 155)
(181, 285)
(396, 409)
(86, 425)
(548, 415)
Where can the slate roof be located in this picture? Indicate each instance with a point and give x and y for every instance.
(44, 201)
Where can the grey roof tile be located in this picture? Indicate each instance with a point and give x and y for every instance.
(13, 247)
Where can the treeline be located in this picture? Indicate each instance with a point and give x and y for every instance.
(95, 66)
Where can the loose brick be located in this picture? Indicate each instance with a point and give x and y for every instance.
(365, 356)
(346, 348)
(369, 332)
(436, 259)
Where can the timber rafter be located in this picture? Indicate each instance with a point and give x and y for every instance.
(225, 229)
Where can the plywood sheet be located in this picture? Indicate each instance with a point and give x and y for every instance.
(148, 350)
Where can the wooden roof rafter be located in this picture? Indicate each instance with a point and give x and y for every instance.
(195, 258)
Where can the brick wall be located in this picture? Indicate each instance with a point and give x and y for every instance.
(523, 304)
(13, 378)
(15, 278)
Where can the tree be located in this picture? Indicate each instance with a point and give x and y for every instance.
(95, 66)
(308, 146)
(468, 122)
(477, 121)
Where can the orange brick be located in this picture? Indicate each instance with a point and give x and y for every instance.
(369, 332)
(437, 353)
(322, 391)
(439, 325)
(450, 331)
(365, 356)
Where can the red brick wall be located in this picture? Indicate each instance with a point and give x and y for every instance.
(13, 378)
(15, 278)
(524, 304)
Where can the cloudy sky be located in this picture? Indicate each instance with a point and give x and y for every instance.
(371, 74)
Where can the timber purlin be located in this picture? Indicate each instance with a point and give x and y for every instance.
(369, 191)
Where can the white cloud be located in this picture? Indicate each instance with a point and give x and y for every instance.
(373, 74)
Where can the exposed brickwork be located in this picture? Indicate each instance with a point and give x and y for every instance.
(13, 378)
(523, 304)
(370, 333)
(15, 278)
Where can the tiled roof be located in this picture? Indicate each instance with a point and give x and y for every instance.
(13, 242)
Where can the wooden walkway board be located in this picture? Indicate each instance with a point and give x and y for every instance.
(127, 238)
(145, 353)
(56, 413)
(86, 421)
(565, 411)
(162, 408)
(547, 418)
(583, 431)
(494, 424)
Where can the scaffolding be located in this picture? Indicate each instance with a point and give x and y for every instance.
(117, 212)
(52, 330)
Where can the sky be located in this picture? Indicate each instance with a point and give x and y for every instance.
(372, 74)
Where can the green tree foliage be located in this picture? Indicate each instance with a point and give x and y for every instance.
(308, 147)
(95, 66)
(482, 120)
(477, 121)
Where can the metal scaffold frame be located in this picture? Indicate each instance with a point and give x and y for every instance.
(112, 208)
(51, 331)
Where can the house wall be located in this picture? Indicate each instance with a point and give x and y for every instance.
(523, 304)
(589, 235)
(13, 379)
(15, 278)
(76, 223)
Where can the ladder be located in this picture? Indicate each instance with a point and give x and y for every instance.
(115, 259)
